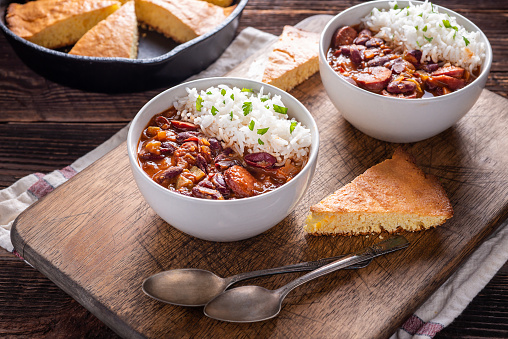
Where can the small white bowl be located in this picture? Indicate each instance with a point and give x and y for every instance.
(394, 119)
(224, 220)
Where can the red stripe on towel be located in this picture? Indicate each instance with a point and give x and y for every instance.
(413, 324)
(430, 329)
(40, 188)
(68, 172)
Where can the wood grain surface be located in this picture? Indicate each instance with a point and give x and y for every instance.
(45, 126)
(96, 238)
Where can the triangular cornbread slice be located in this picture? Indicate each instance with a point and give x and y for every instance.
(392, 195)
(57, 23)
(181, 20)
(115, 36)
(293, 60)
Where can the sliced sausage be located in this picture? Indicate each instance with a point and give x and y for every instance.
(413, 57)
(397, 87)
(345, 36)
(374, 78)
(240, 181)
(448, 81)
(452, 71)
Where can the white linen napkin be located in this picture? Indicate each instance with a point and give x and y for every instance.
(435, 314)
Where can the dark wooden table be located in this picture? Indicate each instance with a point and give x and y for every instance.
(45, 126)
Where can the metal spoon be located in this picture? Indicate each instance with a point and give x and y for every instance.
(195, 287)
(255, 303)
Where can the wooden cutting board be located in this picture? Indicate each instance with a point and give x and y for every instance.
(97, 239)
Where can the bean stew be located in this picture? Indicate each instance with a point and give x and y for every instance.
(179, 156)
(369, 62)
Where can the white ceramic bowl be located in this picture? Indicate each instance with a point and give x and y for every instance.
(394, 119)
(225, 220)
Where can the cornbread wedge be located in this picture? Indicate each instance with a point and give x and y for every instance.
(293, 60)
(115, 36)
(392, 195)
(181, 20)
(57, 23)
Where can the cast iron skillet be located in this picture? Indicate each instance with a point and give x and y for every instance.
(161, 61)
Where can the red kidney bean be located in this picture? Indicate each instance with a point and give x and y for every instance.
(378, 61)
(150, 157)
(170, 173)
(398, 66)
(397, 87)
(413, 57)
(206, 193)
(201, 163)
(168, 148)
(219, 182)
(429, 67)
(162, 122)
(260, 159)
(374, 42)
(356, 56)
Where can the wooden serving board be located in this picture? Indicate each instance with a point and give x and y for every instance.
(97, 239)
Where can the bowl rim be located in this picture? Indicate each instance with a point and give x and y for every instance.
(147, 61)
(486, 65)
(313, 154)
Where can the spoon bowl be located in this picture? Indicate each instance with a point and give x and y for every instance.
(251, 303)
(185, 287)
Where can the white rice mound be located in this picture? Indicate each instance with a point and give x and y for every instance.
(231, 125)
(422, 27)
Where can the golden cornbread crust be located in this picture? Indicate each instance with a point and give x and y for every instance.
(180, 20)
(392, 195)
(57, 23)
(293, 60)
(115, 36)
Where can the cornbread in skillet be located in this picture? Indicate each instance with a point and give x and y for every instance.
(57, 23)
(115, 36)
(222, 3)
(181, 20)
(392, 195)
(293, 60)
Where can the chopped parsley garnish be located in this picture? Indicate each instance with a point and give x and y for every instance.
(465, 40)
(446, 23)
(251, 125)
(416, 27)
(223, 92)
(231, 115)
(396, 6)
(428, 39)
(232, 96)
(424, 28)
(292, 127)
(199, 103)
(208, 92)
(262, 131)
(247, 107)
(280, 109)
(214, 110)
(418, 44)
(260, 142)
(264, 99)
(247, 90)
(420, 15)
(454, 35)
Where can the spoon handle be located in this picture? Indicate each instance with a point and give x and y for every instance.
(383, 247)
(300, 267)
